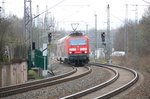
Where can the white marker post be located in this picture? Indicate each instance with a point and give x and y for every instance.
(44, 54)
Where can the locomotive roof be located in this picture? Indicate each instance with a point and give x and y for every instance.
(76, 34)
(71, 35)
(60, 40)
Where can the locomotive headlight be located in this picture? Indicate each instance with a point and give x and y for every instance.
(85, 52)
(72, 49)
(83, 49)
(70, 52)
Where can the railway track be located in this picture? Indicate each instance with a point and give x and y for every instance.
(7, 88)
(123, 79)
(16, 89)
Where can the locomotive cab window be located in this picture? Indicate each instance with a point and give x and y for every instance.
(77, 42)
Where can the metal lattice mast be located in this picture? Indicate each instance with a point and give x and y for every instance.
(28, 24)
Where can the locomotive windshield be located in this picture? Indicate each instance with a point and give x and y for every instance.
(77, 42)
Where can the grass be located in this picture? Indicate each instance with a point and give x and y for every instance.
(32, 74)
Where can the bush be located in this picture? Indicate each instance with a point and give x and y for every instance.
(33, 75)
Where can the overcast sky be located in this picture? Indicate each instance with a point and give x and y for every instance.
(81, 11)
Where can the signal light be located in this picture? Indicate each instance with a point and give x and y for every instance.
(85, 52)
(49, 37)
(103, 36)
(33, 45)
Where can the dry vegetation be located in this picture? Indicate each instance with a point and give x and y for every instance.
(136, 42)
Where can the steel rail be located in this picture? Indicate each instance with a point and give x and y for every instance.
(109, 94)
(122, 88)
(95, 88)
(43, 84)
(37, 81)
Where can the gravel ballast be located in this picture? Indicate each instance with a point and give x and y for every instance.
(97, 76)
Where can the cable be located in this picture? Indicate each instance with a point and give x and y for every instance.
(120, 19)
(146, 2)
(48, 9)
(117, 18)
(106, 1)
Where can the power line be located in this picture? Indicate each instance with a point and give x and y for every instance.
(49, 9)
(73, 5)
(146, 1)
(117, 18)
(106, 1)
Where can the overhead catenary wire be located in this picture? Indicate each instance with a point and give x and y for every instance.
(49, 9)
(146, 1)
(106, 1)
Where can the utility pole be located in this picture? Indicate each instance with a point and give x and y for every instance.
(126, 40)
(37, 13)
(136, 36)
(47, 30)
(87, 29)
(37, 25)
(95, 54)
(135, 53)
(46, 25)
(2, 9)
(108, 42)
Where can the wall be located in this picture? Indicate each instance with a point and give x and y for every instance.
(13, 74)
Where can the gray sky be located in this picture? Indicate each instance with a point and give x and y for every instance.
(81, 11)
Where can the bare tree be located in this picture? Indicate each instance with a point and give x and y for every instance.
(145, 32)
(4, 24)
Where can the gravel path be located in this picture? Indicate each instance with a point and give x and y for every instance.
(57, 91)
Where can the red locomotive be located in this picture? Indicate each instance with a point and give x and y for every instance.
(73, 49)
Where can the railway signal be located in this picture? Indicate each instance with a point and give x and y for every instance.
(103, 36)
(49, 37)
(33, 45)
